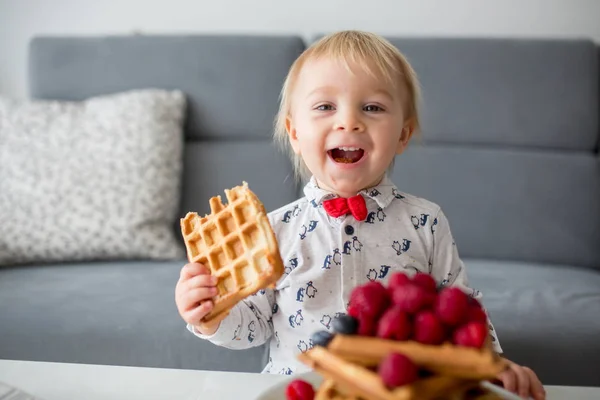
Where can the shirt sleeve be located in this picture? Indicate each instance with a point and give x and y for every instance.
(450, 270)
(249, 323)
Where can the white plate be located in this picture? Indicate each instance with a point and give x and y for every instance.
(277, 392)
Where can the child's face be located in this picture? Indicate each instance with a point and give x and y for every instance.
(346, 125)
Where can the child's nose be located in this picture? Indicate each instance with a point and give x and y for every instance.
(349, 122)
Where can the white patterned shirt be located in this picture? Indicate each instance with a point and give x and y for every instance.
(326, 257)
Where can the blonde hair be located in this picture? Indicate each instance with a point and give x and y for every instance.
(379, 58)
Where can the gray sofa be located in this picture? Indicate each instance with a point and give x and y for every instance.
(509, 150)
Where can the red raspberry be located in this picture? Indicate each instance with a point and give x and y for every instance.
(397, 370)
(473, 301)
(471, 334)
(398, 279)
(451, 306)
(428, 328)
(367, 326)
(394, 324)
(412, 298)
(370, 299)
(426, 281)
(299, 390)
(353, 311)
(475, 312)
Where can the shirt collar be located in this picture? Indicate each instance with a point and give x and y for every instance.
(382, 194)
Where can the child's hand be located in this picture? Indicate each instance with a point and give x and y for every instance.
(193, 294)
(522, 381)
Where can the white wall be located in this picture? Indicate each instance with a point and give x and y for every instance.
(21, 19)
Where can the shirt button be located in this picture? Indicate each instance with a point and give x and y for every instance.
(349, 229)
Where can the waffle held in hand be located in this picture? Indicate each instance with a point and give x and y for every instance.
(236, 242)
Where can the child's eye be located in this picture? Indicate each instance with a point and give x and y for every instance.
(324, 107)
(372, 108)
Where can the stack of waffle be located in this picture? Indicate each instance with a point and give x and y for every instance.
(349, 364)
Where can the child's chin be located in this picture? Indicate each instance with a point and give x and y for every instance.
(348, 184)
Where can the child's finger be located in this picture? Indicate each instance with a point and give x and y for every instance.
(195, 315)
(197, 295)
(201, 281)
(537, 389)
(509, 380)
(192, 269)
(522, 380)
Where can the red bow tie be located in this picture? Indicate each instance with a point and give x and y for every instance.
(342, 206)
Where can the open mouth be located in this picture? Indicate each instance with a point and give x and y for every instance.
(346, 155)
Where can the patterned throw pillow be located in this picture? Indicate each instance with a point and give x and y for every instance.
(91, 180)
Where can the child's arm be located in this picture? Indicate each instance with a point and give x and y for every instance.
(449, 269)
(248, 324)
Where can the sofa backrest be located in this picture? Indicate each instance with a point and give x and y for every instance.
(510, 133)
(510, 127)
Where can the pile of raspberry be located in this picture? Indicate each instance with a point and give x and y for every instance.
(414, 309)
(407, 309)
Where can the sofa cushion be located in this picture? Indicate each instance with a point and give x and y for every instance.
(106, 313)
(96, 179)
(546, 317)
(88, 313)
(534, 93)
(507, 204)
(232, 81)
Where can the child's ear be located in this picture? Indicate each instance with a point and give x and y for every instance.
(407, 132)
(291, 131)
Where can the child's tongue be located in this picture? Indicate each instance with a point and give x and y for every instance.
(346, 156)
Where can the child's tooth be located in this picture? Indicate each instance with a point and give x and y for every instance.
(344, 148)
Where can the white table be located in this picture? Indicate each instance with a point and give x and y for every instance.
(58, 381)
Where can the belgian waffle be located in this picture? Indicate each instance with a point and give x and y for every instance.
(237, 243)
(445, 359)
(331, 390)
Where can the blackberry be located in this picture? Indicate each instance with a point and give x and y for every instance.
(321, 338)
(345, 324)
